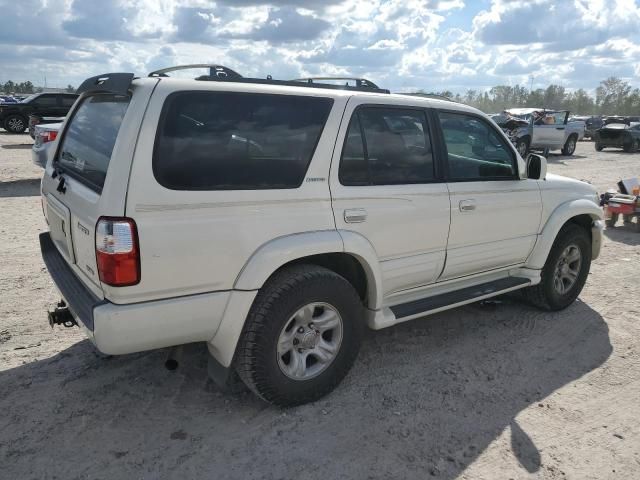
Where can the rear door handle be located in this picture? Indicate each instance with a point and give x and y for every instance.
(559, 128)
(355, 215)
(467, 205)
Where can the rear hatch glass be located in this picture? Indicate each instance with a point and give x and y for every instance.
(89, 138)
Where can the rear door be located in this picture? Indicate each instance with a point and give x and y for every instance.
(386, 186)
(88, 176)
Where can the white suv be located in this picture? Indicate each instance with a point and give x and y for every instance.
(273, 220)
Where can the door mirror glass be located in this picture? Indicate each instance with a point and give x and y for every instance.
(536, 166)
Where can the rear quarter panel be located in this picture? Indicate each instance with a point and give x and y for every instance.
(199, 241)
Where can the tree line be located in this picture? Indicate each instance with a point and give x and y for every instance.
(612, 97)
(10, 87)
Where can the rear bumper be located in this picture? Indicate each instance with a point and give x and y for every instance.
(120, 329)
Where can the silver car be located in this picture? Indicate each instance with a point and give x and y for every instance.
(45, 136)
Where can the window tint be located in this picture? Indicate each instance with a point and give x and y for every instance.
(237, 141)
(474, 149)
(387, 146)
(68, 101)
(45, 101)
(89, 139)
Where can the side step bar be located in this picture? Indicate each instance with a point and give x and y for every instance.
(458, 297)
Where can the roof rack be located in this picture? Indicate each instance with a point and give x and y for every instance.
(220, 73)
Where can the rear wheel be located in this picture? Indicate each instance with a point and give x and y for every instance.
(301, 337)
(570, 146)
(565, 271)
(598, 146)
(15, 124)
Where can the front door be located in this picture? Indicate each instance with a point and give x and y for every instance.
(385, 187)
(495, 215)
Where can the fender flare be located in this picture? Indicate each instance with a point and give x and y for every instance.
(282, 250)
(558, 218)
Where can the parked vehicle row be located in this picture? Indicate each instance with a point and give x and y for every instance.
(274, 220)
(14, 117)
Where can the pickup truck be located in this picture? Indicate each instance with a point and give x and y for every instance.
(546, 130)
(14, 116)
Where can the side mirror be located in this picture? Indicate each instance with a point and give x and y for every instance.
(536, 166)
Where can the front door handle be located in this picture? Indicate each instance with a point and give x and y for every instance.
(355, 215)
(467, 205)
(559, 128)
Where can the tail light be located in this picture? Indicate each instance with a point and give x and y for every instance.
(48, 136)
(117, 252)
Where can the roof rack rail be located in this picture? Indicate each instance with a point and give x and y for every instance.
(219, 71)
(360, 82)
(429, 95)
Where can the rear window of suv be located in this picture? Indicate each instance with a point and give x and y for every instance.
(237, 141)
(89, 139)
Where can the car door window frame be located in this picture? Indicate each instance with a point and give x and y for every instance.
(438, 176)
(445, 152)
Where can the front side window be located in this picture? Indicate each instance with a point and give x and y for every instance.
(45, 101)
(387, 146)
(475, 151)
(89, 139)
(237, 141)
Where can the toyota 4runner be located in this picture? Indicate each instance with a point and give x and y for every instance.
(275, 220)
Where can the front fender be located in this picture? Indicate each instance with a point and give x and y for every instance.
(560, 216)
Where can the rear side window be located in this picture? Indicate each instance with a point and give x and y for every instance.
(237, 141)
(89, 138)
(387, 146)
(68, 101)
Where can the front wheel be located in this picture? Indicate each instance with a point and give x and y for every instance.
(565, 271)
(598, 146)
(15, 124)
(570, 146)
(301, 337)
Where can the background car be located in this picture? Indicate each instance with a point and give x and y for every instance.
(618, 135)
(14, 117)
(45, 142)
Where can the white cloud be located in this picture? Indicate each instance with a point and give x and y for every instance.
(400, 44)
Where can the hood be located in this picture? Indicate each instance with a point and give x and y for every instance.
(558, 181)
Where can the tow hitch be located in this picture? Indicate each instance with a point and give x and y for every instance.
(61, 316)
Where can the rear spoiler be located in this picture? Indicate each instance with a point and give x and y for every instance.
(115, 83)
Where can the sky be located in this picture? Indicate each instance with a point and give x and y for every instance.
(404, 45)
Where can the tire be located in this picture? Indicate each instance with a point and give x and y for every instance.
(598, 146)
(546, 295)
(15, 124)
(638, 224)
(276, 317)
(627, 218)
(636, 145)
(522, 146)
(545, 152)
(570, 145)
(628, 147)
(612, 220)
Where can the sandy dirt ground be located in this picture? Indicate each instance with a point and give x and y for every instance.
(489, 391)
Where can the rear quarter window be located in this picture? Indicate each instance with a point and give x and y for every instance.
(89, 139)
(237, 141)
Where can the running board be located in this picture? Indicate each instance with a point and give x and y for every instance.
(458, 297)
